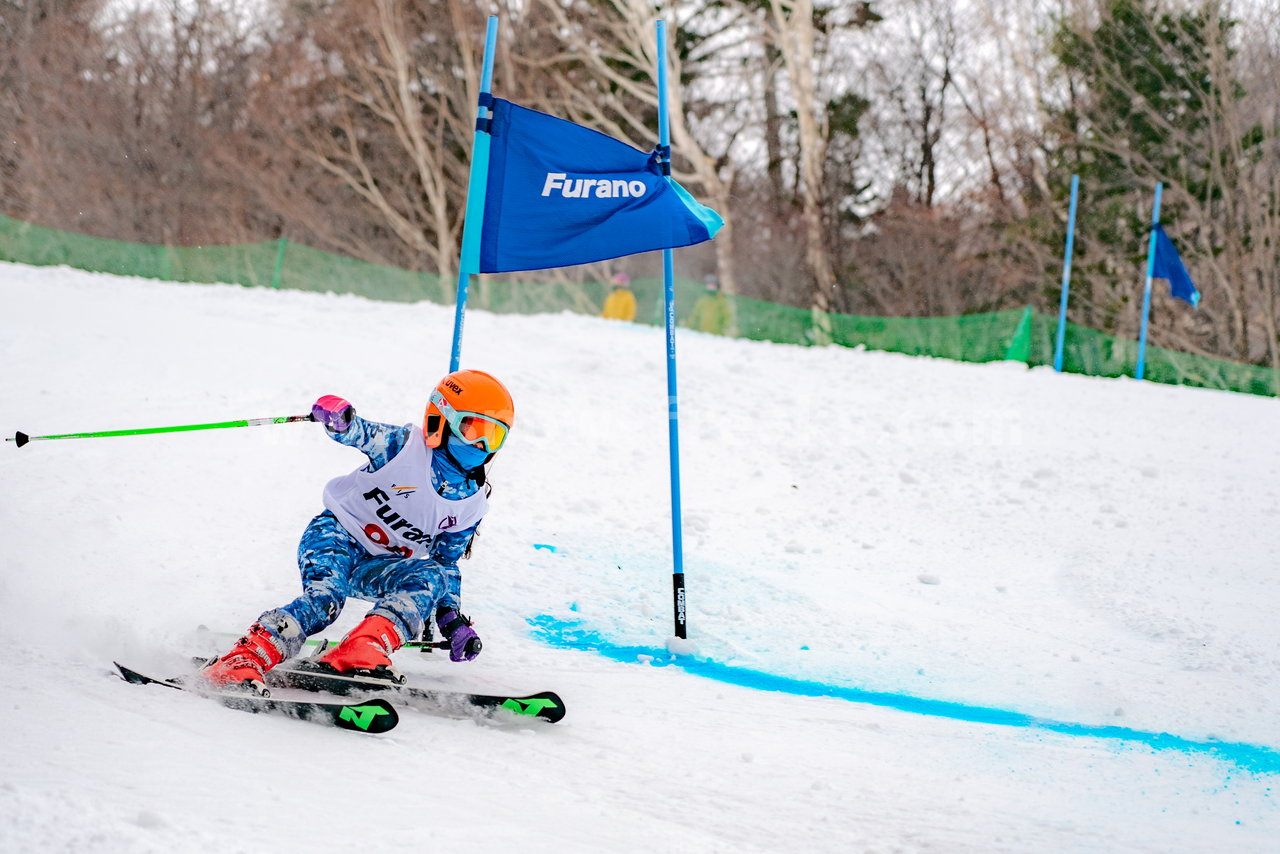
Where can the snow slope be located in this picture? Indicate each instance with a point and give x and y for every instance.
(1044, 606)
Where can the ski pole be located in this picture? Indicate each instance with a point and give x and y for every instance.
(22, 438)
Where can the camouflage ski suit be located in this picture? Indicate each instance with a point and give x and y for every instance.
(335, 566)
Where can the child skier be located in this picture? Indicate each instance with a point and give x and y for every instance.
(391, 533)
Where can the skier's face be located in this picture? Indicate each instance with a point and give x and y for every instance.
(467, 455)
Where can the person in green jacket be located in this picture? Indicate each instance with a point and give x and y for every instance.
(711, 311)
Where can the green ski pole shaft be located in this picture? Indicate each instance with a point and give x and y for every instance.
(22, 438)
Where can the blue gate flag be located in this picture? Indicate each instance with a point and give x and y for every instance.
(1168, 265)
(560, 194)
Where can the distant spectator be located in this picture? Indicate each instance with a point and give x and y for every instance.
(711, 312)
(621, 302)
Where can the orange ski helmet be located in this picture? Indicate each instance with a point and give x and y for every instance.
(474, 406)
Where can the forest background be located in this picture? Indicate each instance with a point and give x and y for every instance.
(892, 157)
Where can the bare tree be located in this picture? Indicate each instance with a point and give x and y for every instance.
(122, 117)
(379, 103)
(794, 22)
(1237, 206)
(914, 78)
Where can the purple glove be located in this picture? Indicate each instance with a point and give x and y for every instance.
(334, 413)
(464, 643)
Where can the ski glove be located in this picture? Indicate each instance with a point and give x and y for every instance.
(464, 643)
(334, 413)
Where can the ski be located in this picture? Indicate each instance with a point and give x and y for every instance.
(372, 716)
(546, 705)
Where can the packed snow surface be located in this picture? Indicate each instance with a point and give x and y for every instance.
(1043, 608)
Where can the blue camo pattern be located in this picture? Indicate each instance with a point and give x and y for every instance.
(335, 567)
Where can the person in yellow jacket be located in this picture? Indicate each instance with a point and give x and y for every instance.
(621, 302)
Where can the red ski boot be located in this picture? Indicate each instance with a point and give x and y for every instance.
(367, 649)
(245, 666)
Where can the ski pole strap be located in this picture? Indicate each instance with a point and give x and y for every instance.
(21, 438)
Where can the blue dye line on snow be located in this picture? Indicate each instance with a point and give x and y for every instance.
(573, 635)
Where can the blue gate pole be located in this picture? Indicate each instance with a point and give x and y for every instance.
(1146, 294)
(477, 183)
(673, 412)
(1066, 274)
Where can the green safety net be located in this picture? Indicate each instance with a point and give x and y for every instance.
(1021, 335)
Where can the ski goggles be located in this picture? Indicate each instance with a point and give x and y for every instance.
(471, 427)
